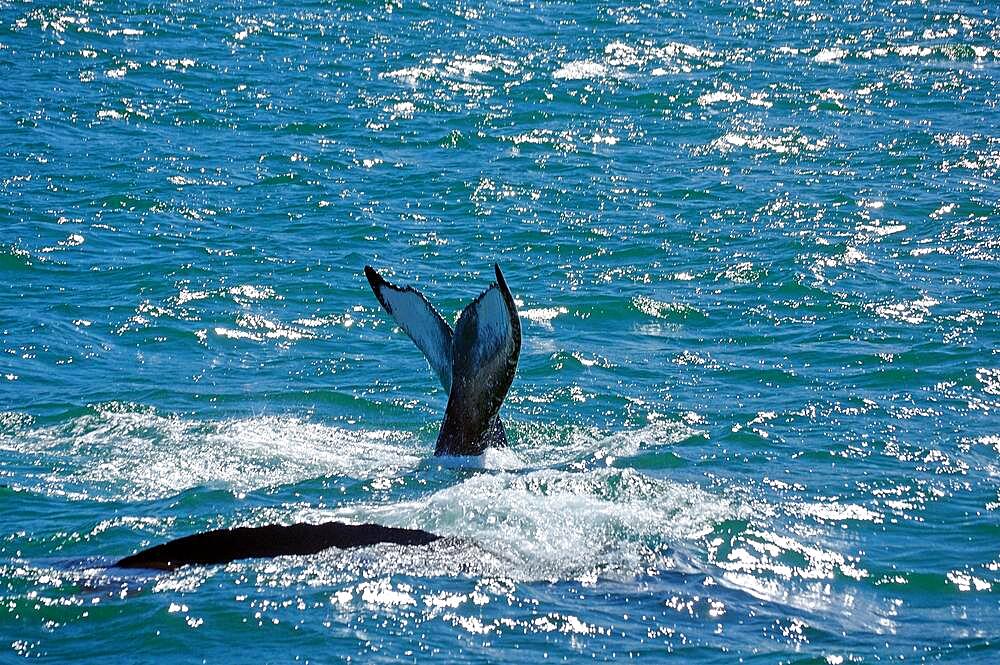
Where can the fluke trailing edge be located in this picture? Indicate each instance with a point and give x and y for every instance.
(475, 363)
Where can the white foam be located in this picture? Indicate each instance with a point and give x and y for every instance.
(835, 511)
(410, 75)
(788, 143)
(607, 139)
(496, 459)
(966, 582)
(878, 230)
(542, 315)
(779, 568)
(467, 67)
(557, 524)
(719, 96)
(830, 55)
(580, 69)
(123, 454)
(257, 329)
(401, 110)
(990, 378)
(382, 592)
(661, 310)
(914, 312)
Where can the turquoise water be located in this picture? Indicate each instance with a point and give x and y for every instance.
(754, 247)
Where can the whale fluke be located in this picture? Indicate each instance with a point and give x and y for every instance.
(418, 319)
(225, 545)
(478, 358)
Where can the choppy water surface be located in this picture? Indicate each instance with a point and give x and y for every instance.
(754, 246)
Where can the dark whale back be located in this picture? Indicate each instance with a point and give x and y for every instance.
(225, 545)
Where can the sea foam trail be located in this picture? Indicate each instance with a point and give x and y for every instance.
(118, 454)
(559, 524)
(123, 452)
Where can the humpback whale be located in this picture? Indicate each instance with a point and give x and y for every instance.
(225, 545)
(475, 363)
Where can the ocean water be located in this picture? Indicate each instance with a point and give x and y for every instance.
(754, 246)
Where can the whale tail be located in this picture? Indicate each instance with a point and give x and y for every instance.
(475, 362)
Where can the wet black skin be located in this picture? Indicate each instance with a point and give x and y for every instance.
(472, 418)
(225, 545)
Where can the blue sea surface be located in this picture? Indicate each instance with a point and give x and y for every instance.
(754, 245)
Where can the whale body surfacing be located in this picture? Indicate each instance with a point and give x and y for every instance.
(475, 363)
(225, 545)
